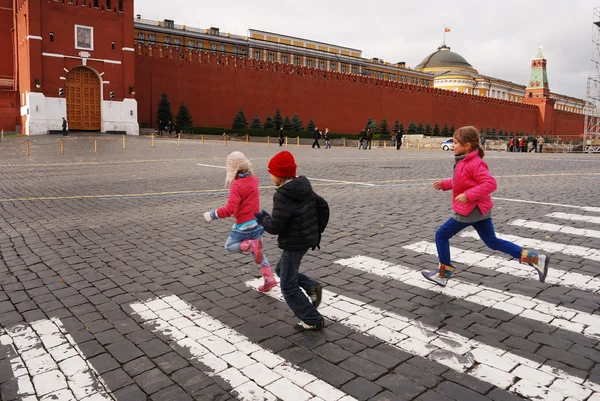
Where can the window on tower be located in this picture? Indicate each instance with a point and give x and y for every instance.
(108, 5)
(121, 5)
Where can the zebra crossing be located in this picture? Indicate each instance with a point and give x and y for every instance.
(46, 363)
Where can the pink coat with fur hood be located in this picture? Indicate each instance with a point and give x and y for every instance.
(471, 177)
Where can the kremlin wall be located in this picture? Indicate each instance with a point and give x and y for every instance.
(103, 69)
(214, 87)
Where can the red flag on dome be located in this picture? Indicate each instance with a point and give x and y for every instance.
(446, 29)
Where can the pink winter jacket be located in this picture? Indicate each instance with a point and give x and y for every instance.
(471, 177)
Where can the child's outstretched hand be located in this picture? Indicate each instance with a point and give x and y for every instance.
(437, 185)
(210, 216)
(462, 198)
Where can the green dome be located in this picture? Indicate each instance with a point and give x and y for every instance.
(443, 57)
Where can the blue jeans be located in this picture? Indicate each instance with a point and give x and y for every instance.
(484, 228)
(236, 236)
(291, 281)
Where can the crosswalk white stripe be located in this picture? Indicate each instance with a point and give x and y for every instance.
(496, 366)
(44, 351)
(512, 267)
(585, 208)
(575, 217)
(255, 373)
(519, 305)
(545, 246)
(537, 225)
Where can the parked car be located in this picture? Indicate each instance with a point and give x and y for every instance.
(447, 145)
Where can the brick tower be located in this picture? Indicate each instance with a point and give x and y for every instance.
(538, 93)
(75, 60)
(9, 108)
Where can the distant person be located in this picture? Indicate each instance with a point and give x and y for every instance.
(398, 137)
(369, 139)
(534, 142)
(281, 137)
(327, 139)
(64, 127)
(361, 139)
(541, 141)
(316, 136)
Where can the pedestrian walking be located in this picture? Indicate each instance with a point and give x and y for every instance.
(541, 141)
(471, 187)
(281, 137)
(534, 143)
(398, 137)
(369, 138)
(361, 139)
(243, 202)
(64, 127)
(299, 218)
(327, 139)
(316, 136)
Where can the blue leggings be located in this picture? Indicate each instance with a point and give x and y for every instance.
(485, 229)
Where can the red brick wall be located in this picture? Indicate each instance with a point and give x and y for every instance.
(214, 92)
(569, 126)
(6, 40)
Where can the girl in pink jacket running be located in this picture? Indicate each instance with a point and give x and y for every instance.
(471, 188)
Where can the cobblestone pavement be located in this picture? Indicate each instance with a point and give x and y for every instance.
(113, 286)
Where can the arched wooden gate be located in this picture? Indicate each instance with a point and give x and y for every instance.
(83, 100)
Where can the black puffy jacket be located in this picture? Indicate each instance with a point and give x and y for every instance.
(299, 215)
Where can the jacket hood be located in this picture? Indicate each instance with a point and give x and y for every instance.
(299, 188)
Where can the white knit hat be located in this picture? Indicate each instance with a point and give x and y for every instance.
(236, 161)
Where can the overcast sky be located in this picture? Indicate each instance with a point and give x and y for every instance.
(498, 38)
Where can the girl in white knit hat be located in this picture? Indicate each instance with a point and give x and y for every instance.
(243, 202)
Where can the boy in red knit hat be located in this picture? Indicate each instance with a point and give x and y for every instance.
(243, 202)
(299, 217)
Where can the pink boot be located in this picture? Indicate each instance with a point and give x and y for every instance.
(270, 281)
(254, 246)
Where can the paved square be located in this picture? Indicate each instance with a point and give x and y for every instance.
(114, 287)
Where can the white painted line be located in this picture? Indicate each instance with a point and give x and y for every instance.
(59, 369)
(512, 267)
(536, 225)
(210, 165)
(254, 372)
(490, 364)
(342, 182)
(575, 217)
(519, 305)
(586, 208)
(546, 246)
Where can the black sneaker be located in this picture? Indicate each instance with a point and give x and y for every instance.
(309, 327)
(316, 295)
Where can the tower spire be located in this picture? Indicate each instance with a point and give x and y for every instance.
(537, 86)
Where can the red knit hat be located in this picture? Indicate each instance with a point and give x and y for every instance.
(283, 165)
